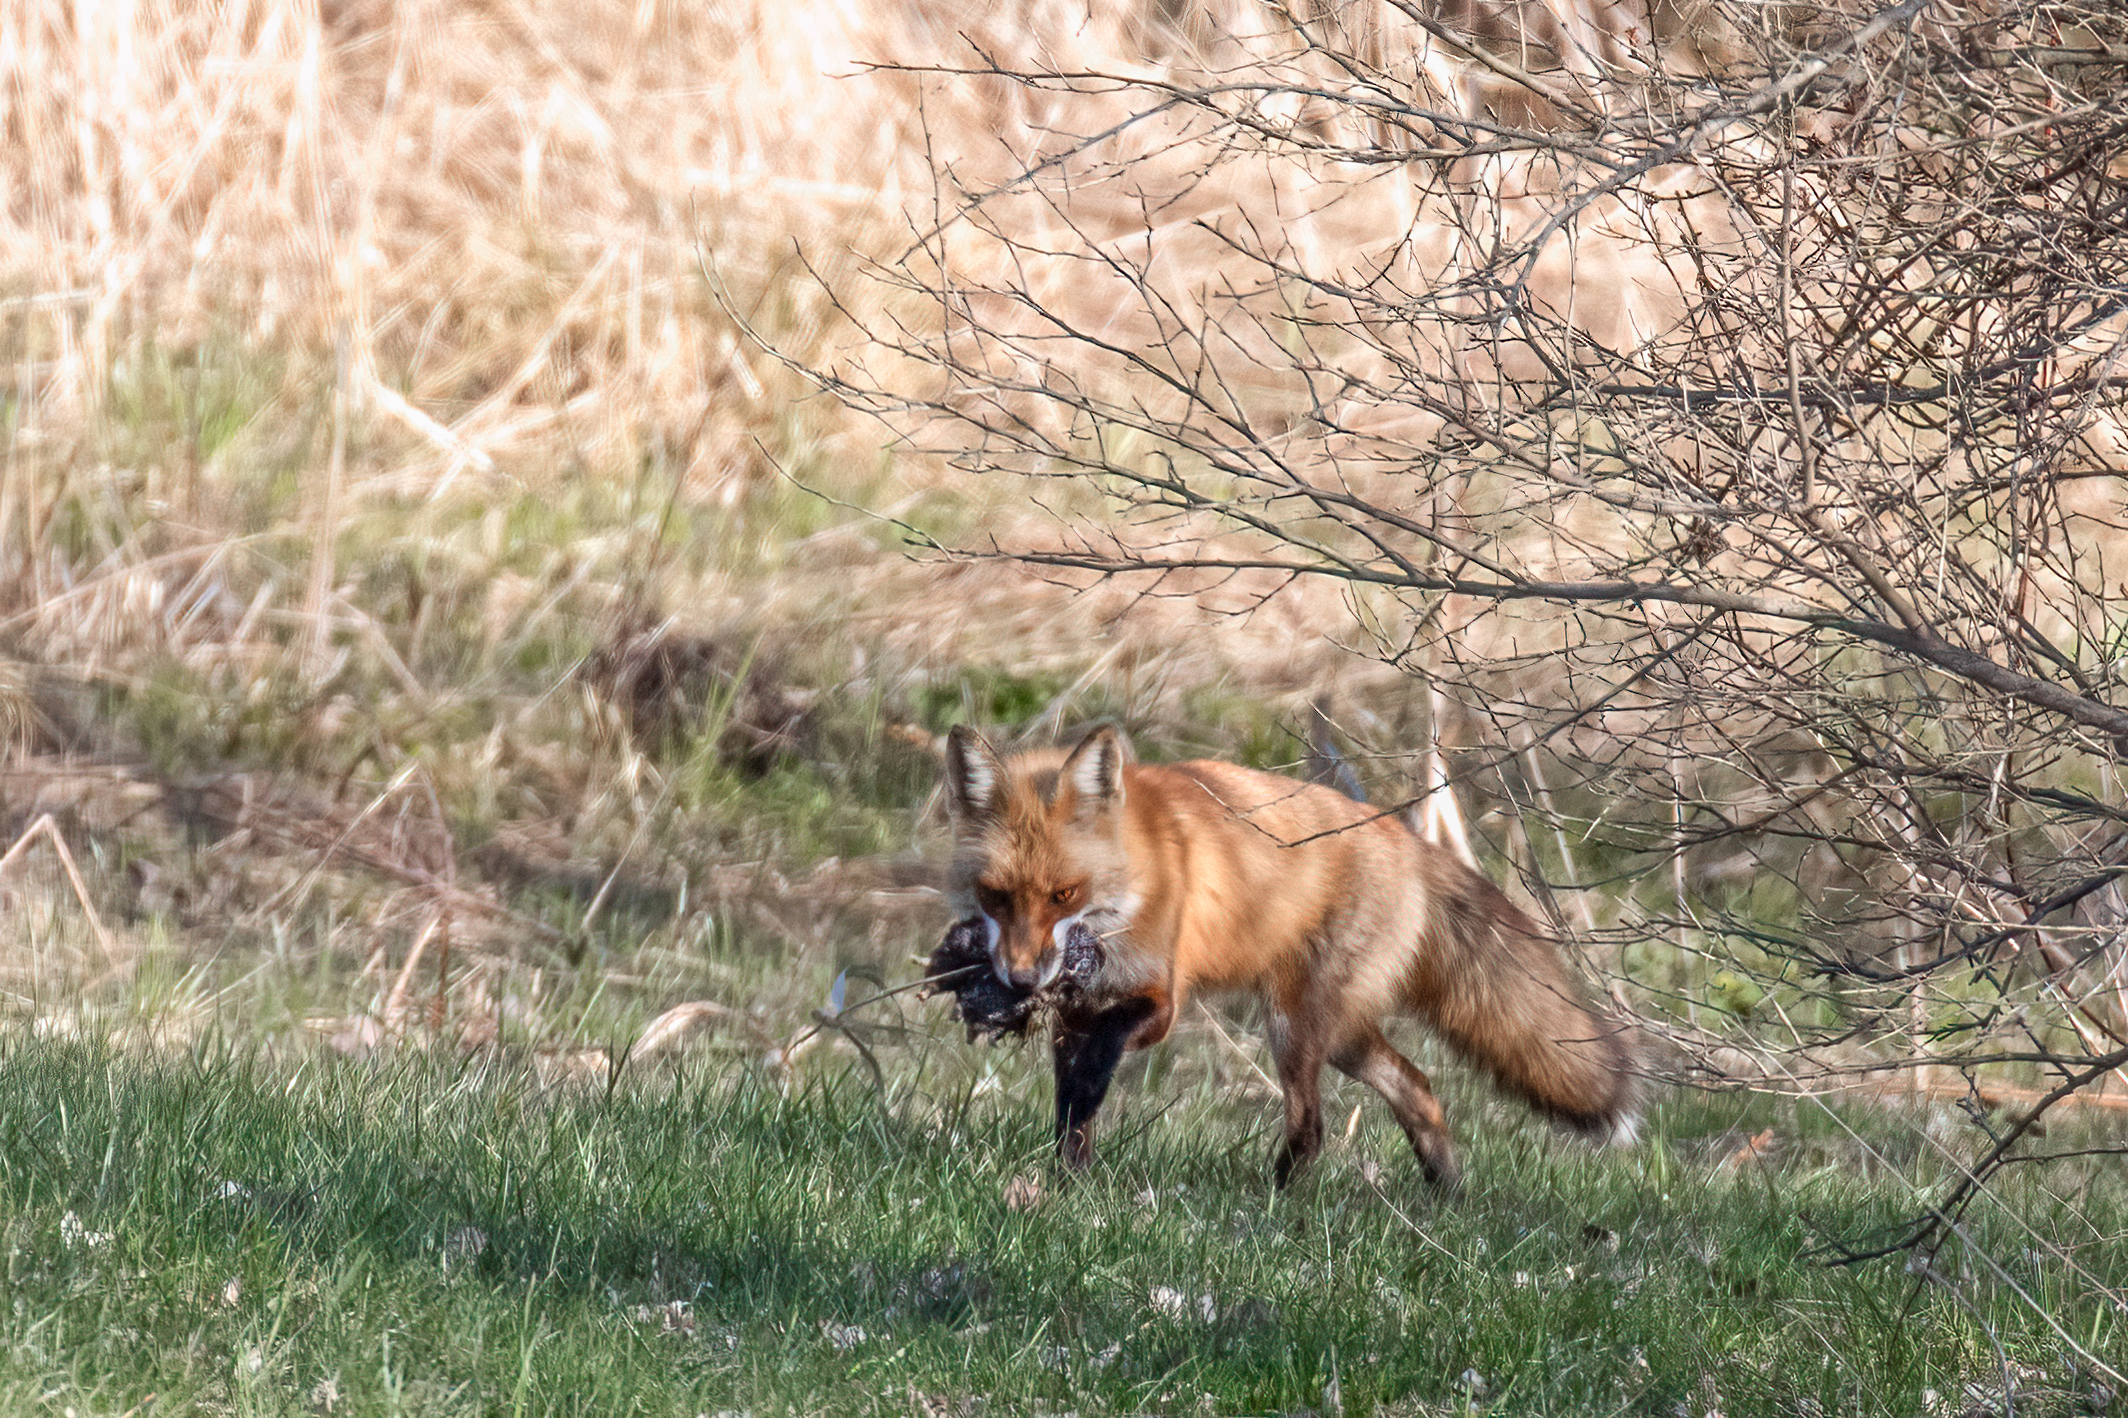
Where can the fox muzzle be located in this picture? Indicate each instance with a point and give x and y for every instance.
(1021, 963)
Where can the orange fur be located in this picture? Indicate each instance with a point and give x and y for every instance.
(1210, 876)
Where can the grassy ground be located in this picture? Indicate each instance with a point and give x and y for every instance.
(229, 1230)
(415, 628)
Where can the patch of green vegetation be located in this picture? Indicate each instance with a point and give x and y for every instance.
(1036, 707)
(985, 695)
(803, 809)
(219, 431)
(187, 721)
(204, 394)
(1240, 729)
(785, 756)
(447, 1235)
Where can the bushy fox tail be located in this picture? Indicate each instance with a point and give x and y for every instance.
(1495, 987)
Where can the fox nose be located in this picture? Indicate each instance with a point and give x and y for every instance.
(1023, 978)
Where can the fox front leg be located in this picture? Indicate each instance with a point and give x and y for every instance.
(1087, 1049)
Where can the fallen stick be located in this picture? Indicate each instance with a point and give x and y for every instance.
(46, 827)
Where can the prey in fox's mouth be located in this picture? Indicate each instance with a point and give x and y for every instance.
(989, 1003)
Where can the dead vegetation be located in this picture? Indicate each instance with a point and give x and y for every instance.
(413, 587)
(412, 575)
(436, 606)
(1725, 424)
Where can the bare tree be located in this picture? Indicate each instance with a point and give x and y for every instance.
(1722, 412)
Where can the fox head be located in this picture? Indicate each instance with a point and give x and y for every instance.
(1037, 845)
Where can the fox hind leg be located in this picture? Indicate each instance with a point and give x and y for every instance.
(1374, 1061)
(1299, 1054)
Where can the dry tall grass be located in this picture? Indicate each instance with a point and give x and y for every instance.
(399, 394)
(370, 368)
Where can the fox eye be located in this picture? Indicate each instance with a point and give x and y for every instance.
(1064, 895)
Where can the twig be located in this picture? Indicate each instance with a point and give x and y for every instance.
(46, 827)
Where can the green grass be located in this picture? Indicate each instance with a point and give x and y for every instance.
(237, 1232)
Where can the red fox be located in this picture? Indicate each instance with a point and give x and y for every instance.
(1209, 876)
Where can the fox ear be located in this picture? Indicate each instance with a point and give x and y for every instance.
(1095, 769)
(973, 773)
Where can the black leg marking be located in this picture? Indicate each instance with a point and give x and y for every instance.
(1087, 1051)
